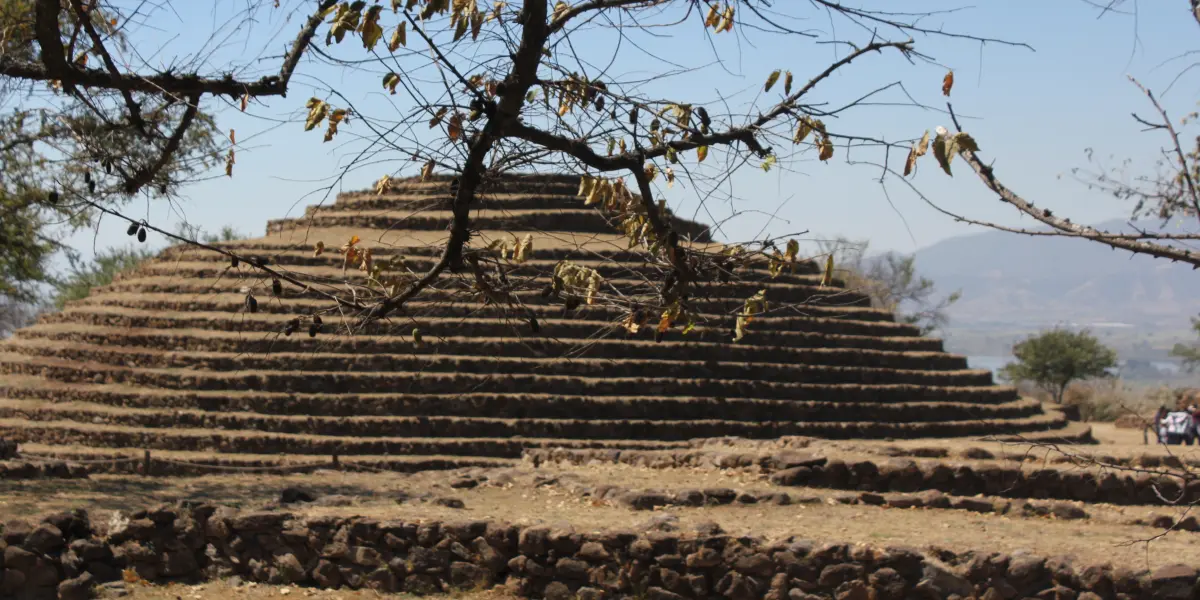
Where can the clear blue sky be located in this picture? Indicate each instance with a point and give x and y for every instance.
(1033, 113)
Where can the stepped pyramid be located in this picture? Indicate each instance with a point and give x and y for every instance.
(168, 359)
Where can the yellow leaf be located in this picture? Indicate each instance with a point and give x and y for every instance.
(367, 261)
(787, 84)
(827, 276)
(701, 153)
(460, 30)
(476, 24)
(585, 185)
(437, 117)
(384, 185)
(665, 323)
(770, 160)
(803, 128)
(455, 127)
(826, 149)
(754, 305)
(713, 15)
(229, 162)
(390, 81)
(232, 137)
(670, 176)
(771, 79)
(965, 142)
(911, 161)
(524, 249)
(316, 113)
(370, 29)
(631, 324)
(400, 37)
(943, 150)
(427, 170)
(245, 101)
(416, 337)
(923, 145)
(947, 83)
(728, 18)
(318, 249)
(335, 118)
(559, 9)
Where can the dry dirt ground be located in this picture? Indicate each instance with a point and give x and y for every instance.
(551, 494)
(236, 590)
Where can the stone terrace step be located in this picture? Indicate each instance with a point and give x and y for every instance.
(610, 270)
(440, 383)
(201, 440)
(548, 245)
(872, 321)
(804, 291)
(434, 328)
(247, 442)
(505, 405)
(158, 293)
(435, 426)
(166, 462)
(441, 200)
(307, 362)
(203, 340)
(581, 220)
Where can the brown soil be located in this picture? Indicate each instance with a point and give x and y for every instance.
(550, 494)
(226, 589)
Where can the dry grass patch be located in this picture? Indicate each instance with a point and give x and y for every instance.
(1106, 537)
(236, 590)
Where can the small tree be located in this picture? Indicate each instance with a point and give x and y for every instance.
(892, 282)
(1053, 359)
(1189, 354)
(102, 269)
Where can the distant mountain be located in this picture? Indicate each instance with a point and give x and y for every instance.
(1010, 280)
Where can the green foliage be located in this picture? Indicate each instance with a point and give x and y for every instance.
(225, 234)
(25, 249)
(101, 270)
(1190, 355)
(892, 282)
(1053, 359)
(54, 155)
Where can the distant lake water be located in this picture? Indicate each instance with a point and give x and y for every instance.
(991, 363)
(995, 363)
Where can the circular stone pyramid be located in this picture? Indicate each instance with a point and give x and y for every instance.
(168, 359)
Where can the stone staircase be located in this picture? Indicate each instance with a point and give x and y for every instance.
(168, 359)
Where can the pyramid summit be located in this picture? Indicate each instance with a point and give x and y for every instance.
(168, 358)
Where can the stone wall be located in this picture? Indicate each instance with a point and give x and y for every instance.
(65, 554)
(1131, 486)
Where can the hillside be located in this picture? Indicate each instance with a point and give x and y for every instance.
(1015, 282)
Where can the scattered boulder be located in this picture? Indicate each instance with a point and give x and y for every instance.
(1173, 582)
(292, 495)
(449, 502)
